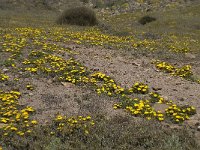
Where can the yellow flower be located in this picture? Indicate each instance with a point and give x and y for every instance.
(34, 122)
(59, 117)
(13, 128)
(86, 132)
(28, 131)
(20, 133)
(160, 119)
(5, 134)
(88, 117)
(92, 123)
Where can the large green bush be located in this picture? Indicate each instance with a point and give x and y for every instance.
(82, 16)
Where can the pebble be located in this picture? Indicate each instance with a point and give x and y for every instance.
(30, 94)
(182, 99)
(156, 88)
(189, 55)
(5, 70)
(49, 81)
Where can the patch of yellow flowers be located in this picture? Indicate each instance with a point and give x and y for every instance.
(139, 88)
(15, 120)
(67, 125)
(105, 84)
(3, 77)
(180, 114)
(184, 71)
(46, 54)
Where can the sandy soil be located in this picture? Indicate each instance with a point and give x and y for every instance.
(50, 97)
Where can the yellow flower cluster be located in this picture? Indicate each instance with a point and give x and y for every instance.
(144, 109)
(46, 54)
(29, 87)
(3, 77)
(178, 44)
(116, 106)
(180, 114)
(68, 70)
(164, 66)
(13, 43)
(184, 72)
(139, 88)
(106, 85)
(156, 98)
(16, 121)
(64, 125)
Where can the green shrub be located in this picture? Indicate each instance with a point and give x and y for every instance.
(82, 16)
(146, 19)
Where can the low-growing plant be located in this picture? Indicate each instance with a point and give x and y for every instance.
(85, 1)
(82, 16)
(146, 19)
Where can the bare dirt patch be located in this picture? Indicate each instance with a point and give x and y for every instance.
(127, 69)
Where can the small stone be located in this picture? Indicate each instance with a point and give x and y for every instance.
(187, 88)
(189, 55)
(156, 88)
(2, 125)
(30, 94)
(178, 83)
(135, 64)
(49, 81)
(198, 128)
(5, 70)
(67, 84)
(165, 97)
(182, 99)
(95, 69)
(174, 89)
(160, 107)
(197, 124)
(193, 123)
(175, 127)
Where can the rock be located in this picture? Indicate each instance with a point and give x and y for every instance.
(187, 88)
(165, 97)
(182, 99)
(156, 88)
(49, 81)
(193, 123)
(178, 83)
(117, 12)
(95, 69)
(135, 64)
(160, 107)
(174, 89)
(175, 127)
(198, 128)
(5, 70)
(67, 84)
(30, 94)
(2, 125)
(189, 55)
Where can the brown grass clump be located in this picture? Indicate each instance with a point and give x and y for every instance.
(146, 19)
(82, 16)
